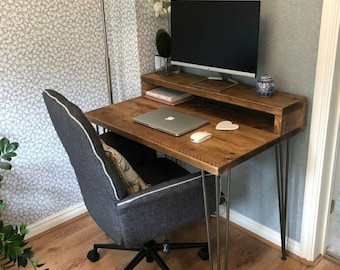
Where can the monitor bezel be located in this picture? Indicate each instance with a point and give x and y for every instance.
(222, 70)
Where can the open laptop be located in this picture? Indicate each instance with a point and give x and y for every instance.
(170, 121)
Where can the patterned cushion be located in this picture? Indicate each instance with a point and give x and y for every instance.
(133, 181)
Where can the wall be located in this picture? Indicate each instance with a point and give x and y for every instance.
(289, 33)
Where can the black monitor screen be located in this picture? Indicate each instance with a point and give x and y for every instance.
(220, 36)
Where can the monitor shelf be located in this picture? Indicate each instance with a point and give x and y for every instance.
(283, 113)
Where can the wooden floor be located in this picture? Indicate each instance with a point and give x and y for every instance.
(66, 247)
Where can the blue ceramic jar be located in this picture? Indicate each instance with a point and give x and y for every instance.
(265, 86)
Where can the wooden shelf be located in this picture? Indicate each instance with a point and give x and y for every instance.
(286, 113)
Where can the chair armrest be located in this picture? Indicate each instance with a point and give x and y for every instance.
(164, 207)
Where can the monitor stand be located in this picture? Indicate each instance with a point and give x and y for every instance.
(167, 69)
(217, 84)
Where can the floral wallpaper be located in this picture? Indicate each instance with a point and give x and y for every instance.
(148, 25)
(57, 44)
(123, 48)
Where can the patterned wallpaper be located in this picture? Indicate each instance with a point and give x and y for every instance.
(147, 29)
(54, 44)
(123, 48)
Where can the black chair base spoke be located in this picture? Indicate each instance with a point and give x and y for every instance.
(149, 251)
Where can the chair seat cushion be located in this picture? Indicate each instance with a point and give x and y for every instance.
(133, 181)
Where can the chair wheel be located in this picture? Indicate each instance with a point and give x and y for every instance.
(93, 255)
(203, 253)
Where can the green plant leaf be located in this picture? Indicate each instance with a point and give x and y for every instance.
(14, 252)
(8, 156)
(22, 261)
(3, 144)
(2, 206)
(5, 165)
(23, 229)
(28, 253)
(11, 147)
(8, 232)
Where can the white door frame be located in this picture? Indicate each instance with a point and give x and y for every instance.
(323, 133)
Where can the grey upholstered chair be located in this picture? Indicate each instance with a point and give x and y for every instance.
(132, 220)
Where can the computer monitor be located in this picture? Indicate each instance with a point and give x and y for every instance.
(220, 36)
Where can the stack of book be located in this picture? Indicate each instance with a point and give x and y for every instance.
(168, 96)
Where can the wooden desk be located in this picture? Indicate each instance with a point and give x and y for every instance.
(264, 122)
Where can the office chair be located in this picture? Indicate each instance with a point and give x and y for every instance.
(131, 219)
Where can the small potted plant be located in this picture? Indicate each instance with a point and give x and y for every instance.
(13, 250)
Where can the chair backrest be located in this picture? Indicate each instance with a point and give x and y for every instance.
(98, 178)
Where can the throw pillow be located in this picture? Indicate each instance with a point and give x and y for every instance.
(133, 181)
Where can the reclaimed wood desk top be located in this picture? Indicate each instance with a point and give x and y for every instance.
(225, 150)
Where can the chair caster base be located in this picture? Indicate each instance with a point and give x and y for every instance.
(203, 253)
(93, 255)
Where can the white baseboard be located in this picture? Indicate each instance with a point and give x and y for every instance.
(262, 231)
(56, 219)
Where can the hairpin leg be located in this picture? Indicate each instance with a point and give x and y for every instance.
(282, 185)
(217, 196)
(207, 223)
(227, 202)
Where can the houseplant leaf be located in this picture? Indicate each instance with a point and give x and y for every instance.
(23, 229)
(5, 165)
(3, 144)
(2, 206)
(8, 156)
(11, 147)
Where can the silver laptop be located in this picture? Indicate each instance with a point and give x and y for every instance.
(170, 121)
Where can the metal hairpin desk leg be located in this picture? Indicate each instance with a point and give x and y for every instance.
(217, 196)
(207, 218)
(227, 202)
(104, 130)
(218, 231)
(282, 185)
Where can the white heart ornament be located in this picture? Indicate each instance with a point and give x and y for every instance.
(226, 125)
